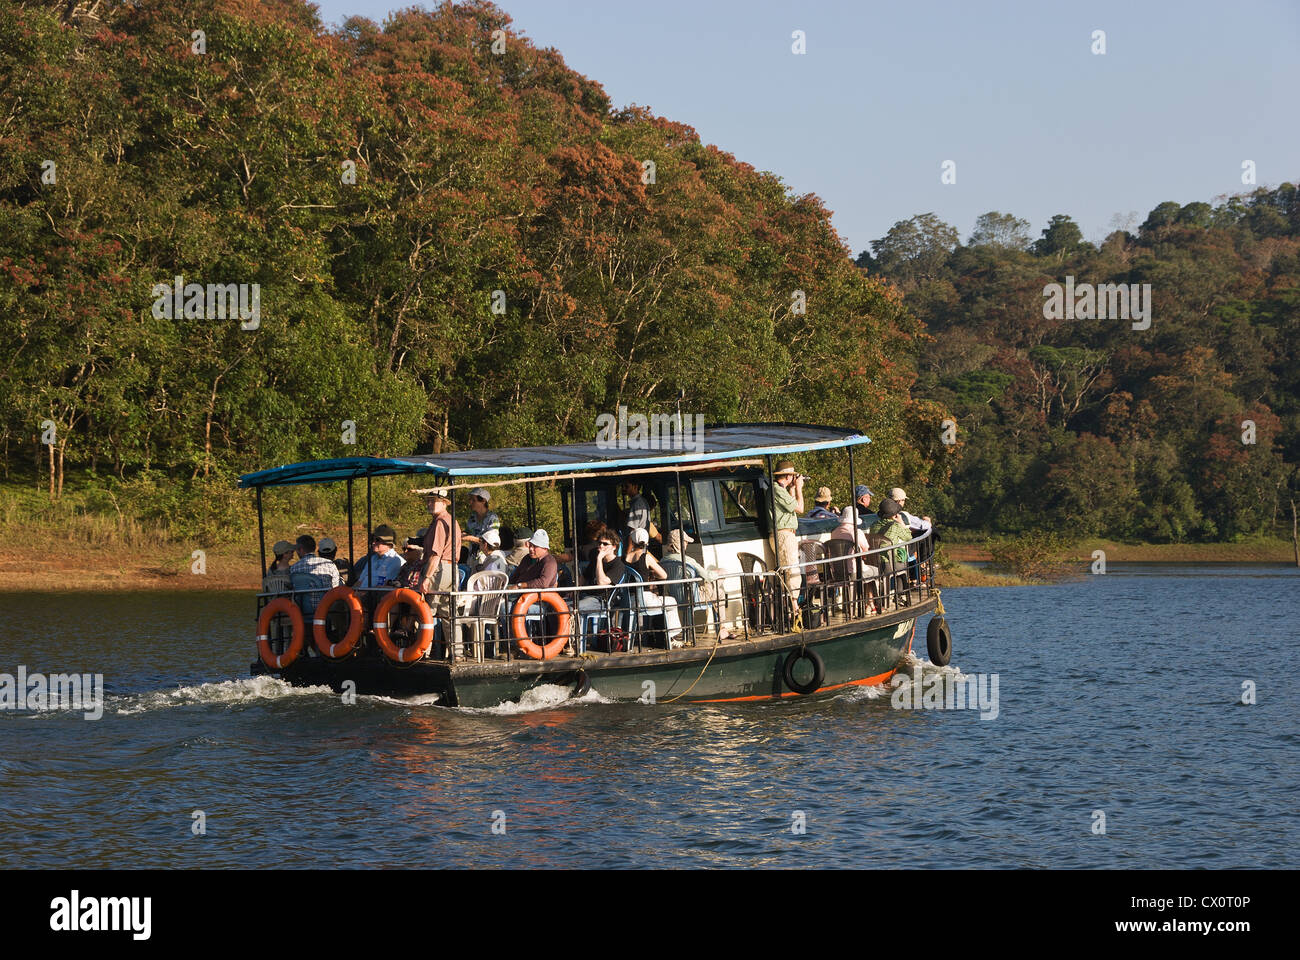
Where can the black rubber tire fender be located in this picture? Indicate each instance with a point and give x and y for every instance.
(938, 640)
(819, 670)
(581, 685)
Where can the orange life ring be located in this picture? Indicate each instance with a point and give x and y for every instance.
(356, 620)
(520, 630)
(278, 661)
(391, 650)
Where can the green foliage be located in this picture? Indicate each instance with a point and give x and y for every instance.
(1031, 556)
(453, 248)
(1092, 427)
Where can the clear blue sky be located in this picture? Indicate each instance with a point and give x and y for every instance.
(1036, 123)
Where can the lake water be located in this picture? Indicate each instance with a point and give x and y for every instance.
(1118, 696)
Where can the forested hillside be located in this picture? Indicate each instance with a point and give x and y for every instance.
(1189, 429)
(458, 241)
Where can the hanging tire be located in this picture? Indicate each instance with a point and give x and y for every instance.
(582, 685)
(819, 670)
(938, 638)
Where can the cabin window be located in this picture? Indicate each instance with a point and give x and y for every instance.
(738, 501)
(706, 506)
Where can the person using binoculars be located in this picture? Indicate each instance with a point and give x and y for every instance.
(787, 496)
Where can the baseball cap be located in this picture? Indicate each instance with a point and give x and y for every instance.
(862, 490)
(889, 508)
(640, 535)
(898, 494)
(326, 545)
(481, 492)
(492, 538)
(282, 547)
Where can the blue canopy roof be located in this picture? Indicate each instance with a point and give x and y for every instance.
(721, 442)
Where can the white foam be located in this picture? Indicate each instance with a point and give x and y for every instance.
(225, 692)
(905, 675)
(542, 697)
(418, 700)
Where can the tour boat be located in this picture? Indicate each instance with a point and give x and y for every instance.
(845, 627)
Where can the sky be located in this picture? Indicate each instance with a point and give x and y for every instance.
(1034, 122)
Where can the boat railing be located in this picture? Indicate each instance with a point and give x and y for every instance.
(633, 616)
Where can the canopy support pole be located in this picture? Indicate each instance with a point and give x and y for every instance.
(853, 489)
(454, 539)
(352, 560)
(261, 535)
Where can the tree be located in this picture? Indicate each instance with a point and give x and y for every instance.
(1002, 230)
(1061, 238)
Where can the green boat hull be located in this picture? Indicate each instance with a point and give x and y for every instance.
(860, 653)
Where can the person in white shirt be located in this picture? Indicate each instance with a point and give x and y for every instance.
(914, 523)
(494, 557)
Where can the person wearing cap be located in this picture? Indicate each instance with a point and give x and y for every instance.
(822, 509)
(440, 569)
(481, 520)
(707, 587)
(494, 558)
(892, 529)
(640, 559)
(381, 564)
(409, 574)
(787, 498)
(915, 524)
(537, 571)
(517, 552)
(313, 576)
(862, 495)
(278, 579)
(327, 548)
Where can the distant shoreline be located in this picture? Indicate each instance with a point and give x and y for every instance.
(59, 566)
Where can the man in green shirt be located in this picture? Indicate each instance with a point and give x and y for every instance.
(787, 495)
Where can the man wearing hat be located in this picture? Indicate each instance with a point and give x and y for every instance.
(537, 571)
(822, 509)
(707, 587)
(862, 494)
(409, 575)
(381, 564)
(787, 497)
(441, 552)
(278, 579)
(915, 524)
(518, 551)
(892, 528)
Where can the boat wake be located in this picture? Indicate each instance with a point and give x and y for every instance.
(225, 693)
(545, 696)
(906, 676)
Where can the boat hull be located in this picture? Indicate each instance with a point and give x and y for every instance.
(859, 653)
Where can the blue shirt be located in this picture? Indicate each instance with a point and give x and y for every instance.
(374, 570)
